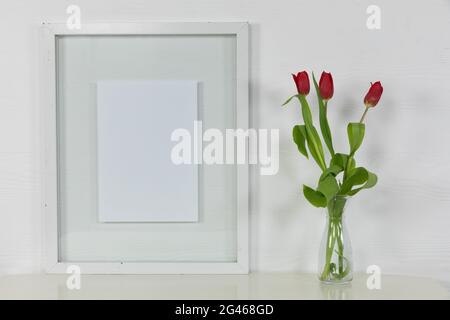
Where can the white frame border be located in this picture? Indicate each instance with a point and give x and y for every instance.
(49, 163)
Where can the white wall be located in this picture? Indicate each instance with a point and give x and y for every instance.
(401, 225)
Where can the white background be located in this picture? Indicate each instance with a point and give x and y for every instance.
(402, 225)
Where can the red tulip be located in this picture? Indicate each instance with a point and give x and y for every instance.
(302, 82)
(326, 87)
(373, 96)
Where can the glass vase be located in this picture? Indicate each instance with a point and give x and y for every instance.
(335, 255)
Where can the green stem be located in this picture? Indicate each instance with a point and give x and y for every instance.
(340, 247)
(329, 253)
(335, 237)
(364, 115)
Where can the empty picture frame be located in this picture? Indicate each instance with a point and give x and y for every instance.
(86, 73)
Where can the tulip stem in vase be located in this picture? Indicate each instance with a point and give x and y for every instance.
(335, 244)
(333, 189)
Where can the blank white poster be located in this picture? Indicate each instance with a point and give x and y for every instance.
(137, 181)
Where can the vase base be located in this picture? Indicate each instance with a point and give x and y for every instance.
(336, 282)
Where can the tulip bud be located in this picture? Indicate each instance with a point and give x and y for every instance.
(326, 87)
(373, 96)
(302, 82)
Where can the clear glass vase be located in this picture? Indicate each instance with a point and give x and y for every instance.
(335, 255)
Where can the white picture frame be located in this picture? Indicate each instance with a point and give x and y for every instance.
(49, 146)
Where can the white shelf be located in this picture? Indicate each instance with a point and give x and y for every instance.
(253, 286)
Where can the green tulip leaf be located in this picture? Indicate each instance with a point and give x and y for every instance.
(328, 186)
(332, 170)
(323, 120)
(299, 135)
(315, 148)
(357, 176)
(312, 137)
(340, 160)
(289, 100)
(355, 133)
(371, 182)
(316, 198)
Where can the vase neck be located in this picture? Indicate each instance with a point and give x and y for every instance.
(336, 208)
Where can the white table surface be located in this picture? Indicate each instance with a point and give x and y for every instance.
(253, 286)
